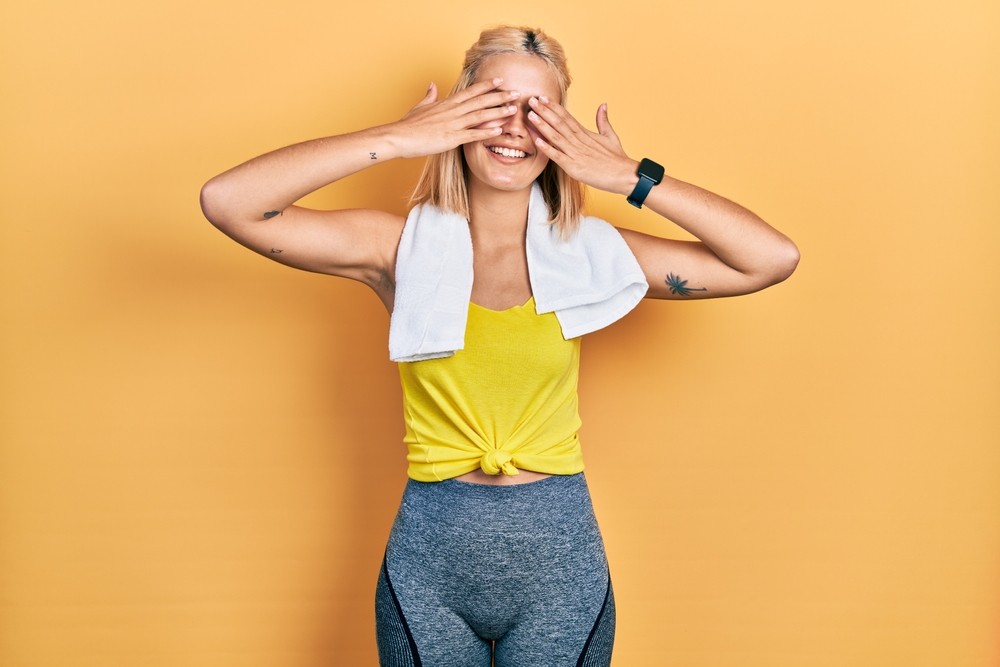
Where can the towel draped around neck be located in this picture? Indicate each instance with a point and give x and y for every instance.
(589, 280)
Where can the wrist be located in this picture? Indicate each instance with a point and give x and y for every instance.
(648, 175)
(627, 178)
(385, 142)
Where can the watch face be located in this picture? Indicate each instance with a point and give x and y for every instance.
(650, 169)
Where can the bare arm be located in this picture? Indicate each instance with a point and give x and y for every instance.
(737, 252)
(253, 202)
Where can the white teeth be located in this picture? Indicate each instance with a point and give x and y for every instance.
(507, 152)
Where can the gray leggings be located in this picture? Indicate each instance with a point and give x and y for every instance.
(515, 574)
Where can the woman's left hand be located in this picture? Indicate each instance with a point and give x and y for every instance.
(594, 158)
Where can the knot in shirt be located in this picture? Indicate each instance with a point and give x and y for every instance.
(497, 461)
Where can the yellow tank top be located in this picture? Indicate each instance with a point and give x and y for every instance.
(507, 401)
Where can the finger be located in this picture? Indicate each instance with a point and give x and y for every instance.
(429, 97)
(491, 123)
(551, 128)
(495, 115)
(554, 109)
(480, 134)
(550, 141)
(489, 102)
(556, 116)
(549, 151)
(543, 127)
(497, 98)
(604, 126)
(475, 90)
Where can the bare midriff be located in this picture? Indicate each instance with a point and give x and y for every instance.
(523, 477)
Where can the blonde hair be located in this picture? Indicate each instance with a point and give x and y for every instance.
(443, 181)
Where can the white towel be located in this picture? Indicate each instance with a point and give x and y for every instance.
(589, 280)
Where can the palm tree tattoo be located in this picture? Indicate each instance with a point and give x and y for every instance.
(679, 287)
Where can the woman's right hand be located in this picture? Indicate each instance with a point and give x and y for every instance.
(434, 126)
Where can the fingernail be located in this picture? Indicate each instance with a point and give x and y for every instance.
(514, 94)
(511, 109)
(532, 115)
(533, 101)
(544, 99)
(497, 81)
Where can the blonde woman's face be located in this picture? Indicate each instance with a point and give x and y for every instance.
(511, 161)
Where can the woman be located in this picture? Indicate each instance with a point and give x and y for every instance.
(495, 554)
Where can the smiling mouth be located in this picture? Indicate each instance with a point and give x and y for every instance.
(506, 152)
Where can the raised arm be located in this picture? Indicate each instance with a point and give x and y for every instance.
(737, 252)
(253, 202)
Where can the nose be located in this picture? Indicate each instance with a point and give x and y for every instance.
(517, 124)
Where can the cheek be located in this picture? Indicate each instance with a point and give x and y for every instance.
(541, 162)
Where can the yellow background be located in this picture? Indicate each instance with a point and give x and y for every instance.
(201, 450)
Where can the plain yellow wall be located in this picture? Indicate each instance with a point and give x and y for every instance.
(201, 450)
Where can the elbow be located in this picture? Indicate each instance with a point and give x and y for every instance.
(209, 200)
(784, 262)
(774, 266)
(212, 199)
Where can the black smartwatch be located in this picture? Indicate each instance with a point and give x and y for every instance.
(650, 174)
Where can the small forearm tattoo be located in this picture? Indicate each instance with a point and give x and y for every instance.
(276, 251)
(374, 157)
(270, 214)
(680, 288)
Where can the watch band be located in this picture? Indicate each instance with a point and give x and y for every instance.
(650, 173)
(642, 189)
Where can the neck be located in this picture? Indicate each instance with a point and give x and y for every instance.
(496, 214)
